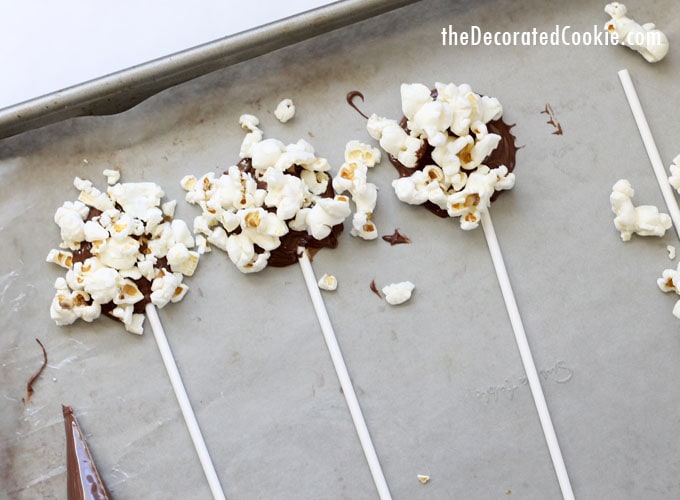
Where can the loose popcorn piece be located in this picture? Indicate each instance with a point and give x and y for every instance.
(650, 42)
(352, 178)
(670, 282)
(122, 250)
(452, 150)
(674, 179)
(328, 282)
(277, 198)
(398, 293)
(671, 251)
(112, 176)
(644, 220)
(423, 478)
(285, 110)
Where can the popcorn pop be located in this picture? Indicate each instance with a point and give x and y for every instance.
(644, 220)
(453, 152)
(122, 249)
(277, 198)
(650, 42)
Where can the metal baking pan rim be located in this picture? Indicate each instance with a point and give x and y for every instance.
(124, 89)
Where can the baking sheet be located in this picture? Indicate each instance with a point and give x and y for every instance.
(439, 379)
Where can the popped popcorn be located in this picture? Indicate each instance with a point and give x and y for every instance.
(423, 478)
(328, 282)
(121, 249)
(674, 178)
(398, 293)
(670, 282)
(644, 220)
(278, 197)
(112, 176)
(352, 177)
(671, 252)
(285, 110)
(650, 42)
(443, 149)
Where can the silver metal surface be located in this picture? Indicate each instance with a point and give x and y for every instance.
(122, 90)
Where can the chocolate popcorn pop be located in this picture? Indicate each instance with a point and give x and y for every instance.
(454, 155)
(122, 250)
(274, 205)
(125, 257)
(453, 152)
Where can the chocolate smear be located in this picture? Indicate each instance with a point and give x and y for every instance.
(83, 479)
(548, 110)
(29, 385)
(396, 238)
(374, 289)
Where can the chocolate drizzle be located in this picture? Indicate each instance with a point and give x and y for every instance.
(83, 481)
(374, 289)
(351, 95)
(29, 385)
(548, 110)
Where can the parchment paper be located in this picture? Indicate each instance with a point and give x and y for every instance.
(439, 379)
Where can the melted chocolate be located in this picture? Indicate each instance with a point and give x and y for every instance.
(396, 238)
(82, 478)
(351, 95)
(374, 289)
(552, 120)
(286, 253)
(83, 252)
(29, 385)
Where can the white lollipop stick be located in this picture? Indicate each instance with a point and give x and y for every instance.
(343, 376)
(184, 404)
(527, 358)
(650, 146)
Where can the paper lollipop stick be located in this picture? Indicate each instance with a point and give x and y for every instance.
(184, 403)
(343, 376)
(650, 146)
(527, 358)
